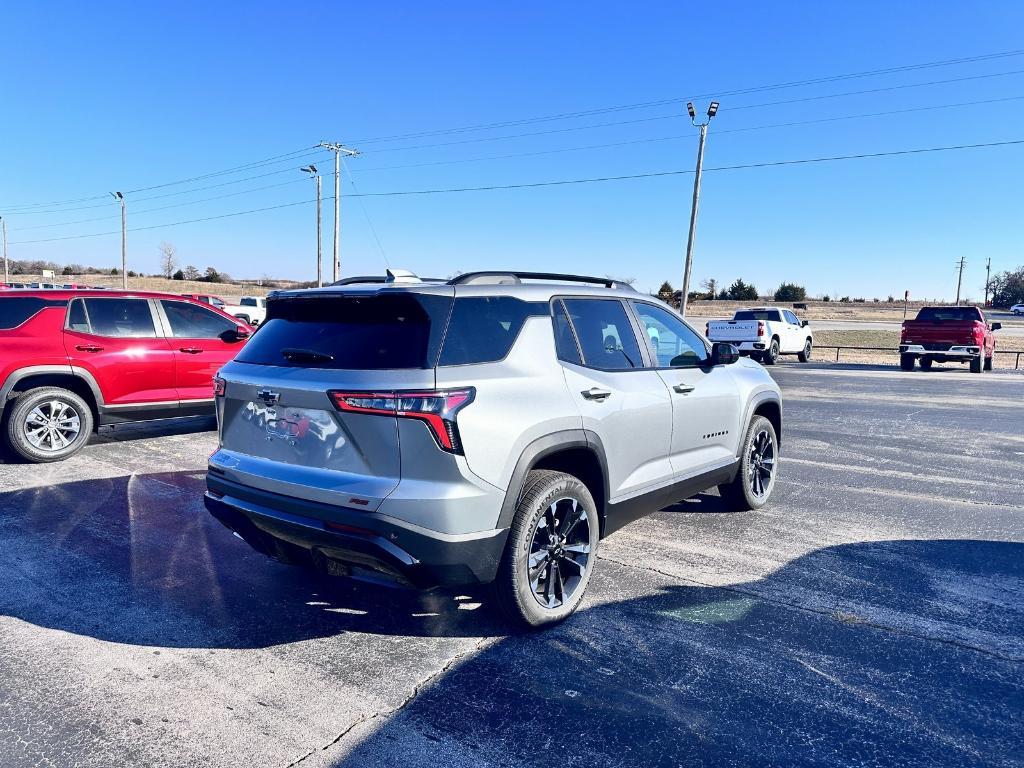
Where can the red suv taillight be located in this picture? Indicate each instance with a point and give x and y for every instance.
(218, 386)
(436, 408)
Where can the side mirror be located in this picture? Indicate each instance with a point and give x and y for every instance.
(996, 326)
(804, 323)
(724, 354)
(242, 332)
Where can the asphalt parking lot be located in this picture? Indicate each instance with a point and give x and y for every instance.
(872, 615)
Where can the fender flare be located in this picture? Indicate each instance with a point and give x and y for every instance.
(756, 400)
(61, 370)
(537, 450)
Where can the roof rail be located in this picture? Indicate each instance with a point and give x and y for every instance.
(398, 276)
(514, 278)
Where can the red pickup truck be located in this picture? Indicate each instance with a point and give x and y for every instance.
(948, 334)
(74, 360)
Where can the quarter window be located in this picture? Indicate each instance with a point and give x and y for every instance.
(128, 318)
(15, 310)
(605, 334)
(483, 329)
(189, 321)
(672, 342)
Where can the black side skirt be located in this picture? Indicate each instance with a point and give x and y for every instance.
(625, 512)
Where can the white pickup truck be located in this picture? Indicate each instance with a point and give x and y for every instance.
(251, 309)
(764, 333)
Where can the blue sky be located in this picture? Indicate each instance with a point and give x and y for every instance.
(128, 96)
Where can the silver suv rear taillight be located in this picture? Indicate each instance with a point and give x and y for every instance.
(436, 408)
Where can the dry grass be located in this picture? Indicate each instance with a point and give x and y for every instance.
(160, 284)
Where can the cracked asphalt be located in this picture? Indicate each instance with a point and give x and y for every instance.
(872, 615)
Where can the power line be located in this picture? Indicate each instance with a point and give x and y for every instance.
(561, 182)
(631, 142)
(366, 213)
(24, 208)
(163, 207)
(680, 115)
(682, 99)
(174, 194)
(247, 166)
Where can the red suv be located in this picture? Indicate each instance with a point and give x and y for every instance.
(71, 361)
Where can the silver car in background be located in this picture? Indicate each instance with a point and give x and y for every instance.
(488, 429)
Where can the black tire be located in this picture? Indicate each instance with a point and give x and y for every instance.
(740, 494)
(926, 363)
(771, 354)
(906, 362)
(805, 355)
(988, 363)
(976, 364)
(549, 501)
(59, 416)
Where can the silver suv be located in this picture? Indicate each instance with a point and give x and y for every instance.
(488, 429)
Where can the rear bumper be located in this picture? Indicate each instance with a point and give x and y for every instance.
(353, 543)
(957, 352)
(751, 347)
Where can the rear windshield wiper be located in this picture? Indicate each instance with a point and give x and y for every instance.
(296, 354)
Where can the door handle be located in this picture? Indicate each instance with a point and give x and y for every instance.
(684, 389)
(596, 393)
(88, 348)
(190, 350)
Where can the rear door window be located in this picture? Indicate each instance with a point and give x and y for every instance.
(400, 330)
(15, 310)
(483, 329)
(125, 318)
(605, 334)
(189, 321)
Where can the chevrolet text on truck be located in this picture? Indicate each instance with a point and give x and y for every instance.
(948, 335)
(764, 333)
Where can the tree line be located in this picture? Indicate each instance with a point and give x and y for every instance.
(168, 268)
(739, 290)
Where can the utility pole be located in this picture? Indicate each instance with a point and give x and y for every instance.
(684, 296)
(3, 226)
(311, 169)
(959, 280)
(338, 151)
(124, 239)
(988, 278)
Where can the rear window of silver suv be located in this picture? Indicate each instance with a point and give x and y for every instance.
(388, 331)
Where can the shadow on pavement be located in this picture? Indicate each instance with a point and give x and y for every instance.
(139, 560)
(128, 432)
(887, 653)
(884, 653)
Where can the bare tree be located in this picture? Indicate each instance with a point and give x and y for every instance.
(711, 286)
(168, 259)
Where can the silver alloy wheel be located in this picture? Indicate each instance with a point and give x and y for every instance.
(762, 464)
(52, 426)
(559, 553)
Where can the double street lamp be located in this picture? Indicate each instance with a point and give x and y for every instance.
(712, 111)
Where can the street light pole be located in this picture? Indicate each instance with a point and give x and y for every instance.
(959, 280)
(124, 239)
(988, 278)
(3, 226)
(703, 127)
(338, 150)
(311, 169)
